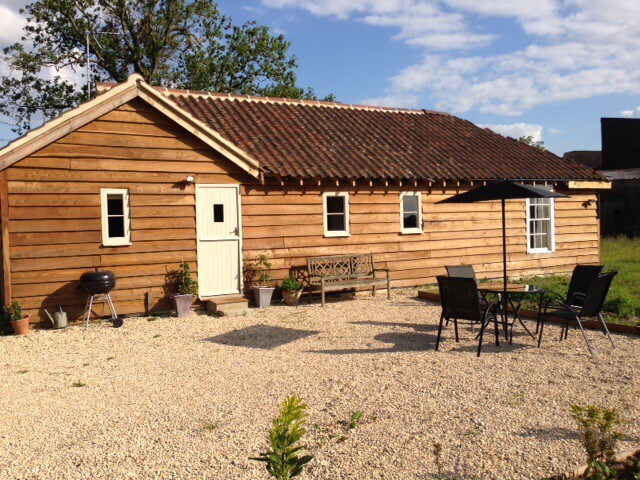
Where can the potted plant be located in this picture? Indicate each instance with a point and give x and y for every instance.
(13, 314)
(186, 288)
(291, 290)
(260, 277)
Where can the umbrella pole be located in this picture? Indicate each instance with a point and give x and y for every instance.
(504, 260)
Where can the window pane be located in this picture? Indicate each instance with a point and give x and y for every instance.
(115, 205)
(335, 204)
(410, 220)
(116, 227)
(410, 203)
(335, 223)
(218, 213)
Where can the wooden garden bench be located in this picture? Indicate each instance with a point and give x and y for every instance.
(339, 272)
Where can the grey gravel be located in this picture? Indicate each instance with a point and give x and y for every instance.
(193, 398)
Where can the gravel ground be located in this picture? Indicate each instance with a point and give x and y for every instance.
(193, 398)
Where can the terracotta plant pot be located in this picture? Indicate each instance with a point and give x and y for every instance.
(262, 296)
(291, 297)
(183, 304)
(21, 327)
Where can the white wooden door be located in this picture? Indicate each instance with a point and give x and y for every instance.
(219, 239)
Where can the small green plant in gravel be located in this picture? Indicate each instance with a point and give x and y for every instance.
(78, 384)
(157, 335)
(283, 461)
(152, 319)
(355, 419)
(211, 426)
(600, 437)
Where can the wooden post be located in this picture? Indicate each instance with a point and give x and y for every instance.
(4, 224)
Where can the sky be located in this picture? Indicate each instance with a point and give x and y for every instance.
(547, 68)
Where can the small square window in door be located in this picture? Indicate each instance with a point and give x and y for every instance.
(218, 213)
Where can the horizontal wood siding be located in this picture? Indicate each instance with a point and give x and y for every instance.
(287, 226)
(54, 210)
(55, 227)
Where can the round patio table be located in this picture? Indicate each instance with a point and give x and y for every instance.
(515, 294)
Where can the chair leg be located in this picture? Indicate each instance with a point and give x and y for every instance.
(481, 334)
(309, 298)
(388, 288)
(455, 326)
(373, 291)
(584, 334)
(606, 330)
(322, 297)
(541, 320)
(539, 312)
(496, 329)
(439, 331)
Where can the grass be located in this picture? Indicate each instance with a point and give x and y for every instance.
(623, 302)
(78, 384)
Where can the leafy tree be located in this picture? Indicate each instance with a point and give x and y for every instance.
(180, 43)
(528, 139)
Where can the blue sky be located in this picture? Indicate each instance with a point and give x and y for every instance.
(550, 68)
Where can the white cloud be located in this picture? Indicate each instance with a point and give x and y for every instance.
(554, 131)
(517, 130)
(575, 49)
(631, 113)
(11, 24)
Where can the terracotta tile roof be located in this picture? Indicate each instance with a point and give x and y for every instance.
(311, 139)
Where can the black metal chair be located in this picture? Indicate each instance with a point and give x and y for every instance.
(460, 302)
(580, 280)
(591, 307)
(461, 271)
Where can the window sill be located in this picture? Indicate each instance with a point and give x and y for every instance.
(411, 232)
(117, 244)
(540, 250)
(336, 234)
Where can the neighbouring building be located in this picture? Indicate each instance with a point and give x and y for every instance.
(141, 178)
(619, 162)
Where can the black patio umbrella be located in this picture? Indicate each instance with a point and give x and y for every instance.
(502, 190)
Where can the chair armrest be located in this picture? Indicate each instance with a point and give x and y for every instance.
(579, 295)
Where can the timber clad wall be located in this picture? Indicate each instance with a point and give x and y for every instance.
(55, 227)
(54, 209)
(288, 228)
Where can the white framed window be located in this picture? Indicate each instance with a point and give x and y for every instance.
(116, 224)
(336, 214)
(541, 235)
(411, 212)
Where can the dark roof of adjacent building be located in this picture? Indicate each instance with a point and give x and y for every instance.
(625, 174)
(588, 158)
(312, 139)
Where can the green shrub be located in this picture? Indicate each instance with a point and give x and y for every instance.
(291, 284)
(257, 273)
(282, 460)
(599, 437)
(186, 285)
(10, 313)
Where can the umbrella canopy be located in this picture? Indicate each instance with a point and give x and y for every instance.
(502, 190)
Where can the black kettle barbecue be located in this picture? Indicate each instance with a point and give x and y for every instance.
(96, 284)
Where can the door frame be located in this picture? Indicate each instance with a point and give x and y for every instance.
(237, 187)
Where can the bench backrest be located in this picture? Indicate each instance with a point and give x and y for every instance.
(334, 265)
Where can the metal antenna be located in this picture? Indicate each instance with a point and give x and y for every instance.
(88, 34)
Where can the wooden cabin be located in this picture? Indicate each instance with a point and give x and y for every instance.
(141, 178)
